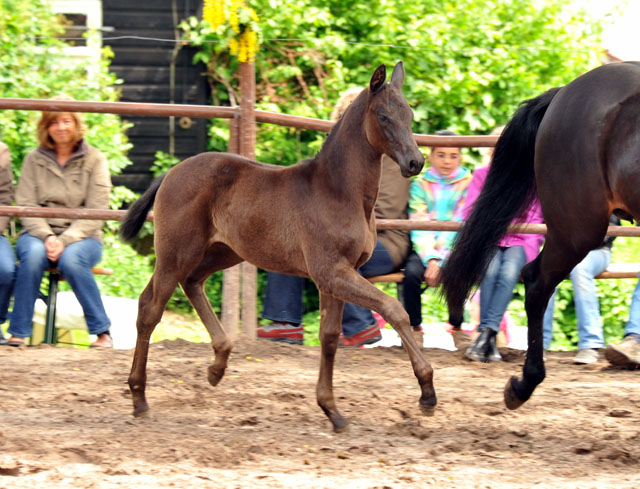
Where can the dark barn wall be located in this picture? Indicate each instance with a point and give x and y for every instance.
(145, 66)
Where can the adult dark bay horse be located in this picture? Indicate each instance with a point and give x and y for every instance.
(579, 145)
(314, 219)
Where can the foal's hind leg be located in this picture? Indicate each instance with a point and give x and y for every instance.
(345, 283)
(330, 326)
(193, 286)
(151, 305)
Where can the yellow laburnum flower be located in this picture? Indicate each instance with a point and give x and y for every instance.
(242, 53)
(213, 12)
(233, 46)
(233, 14)
(252, 45)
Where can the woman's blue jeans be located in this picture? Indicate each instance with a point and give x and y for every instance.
(633, 325)
(283, 295)
(496, 289)
(585, 298)
(7, 276)
(75, 264)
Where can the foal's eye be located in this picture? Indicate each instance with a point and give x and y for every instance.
(383, 118)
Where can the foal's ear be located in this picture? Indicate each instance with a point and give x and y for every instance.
(397, 77)
(378, 79)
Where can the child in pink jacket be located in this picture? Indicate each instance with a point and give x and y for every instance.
(496, 289)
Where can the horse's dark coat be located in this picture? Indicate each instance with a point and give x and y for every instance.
(579, 146)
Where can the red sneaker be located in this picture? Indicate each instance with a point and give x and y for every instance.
(365, 337)
(280, 331)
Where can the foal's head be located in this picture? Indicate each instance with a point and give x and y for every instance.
(388, 121)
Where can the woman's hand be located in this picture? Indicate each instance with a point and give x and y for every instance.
(432, 273)
(54, 248)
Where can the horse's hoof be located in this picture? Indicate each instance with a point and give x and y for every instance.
(511, 400)
(141, 411)
(427, 410)
(428, 405)
(215, 376)
(341, 426)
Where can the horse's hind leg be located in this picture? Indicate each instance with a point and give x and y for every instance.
(330, 326)
(193, 286)
(151, 305)
(541, 276)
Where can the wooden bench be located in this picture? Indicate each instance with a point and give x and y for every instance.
(615, 270)
(50, 334)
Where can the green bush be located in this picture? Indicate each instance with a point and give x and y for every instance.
(32, 65)
(615, 300)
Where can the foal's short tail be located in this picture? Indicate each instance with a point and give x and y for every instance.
(137, 213)
(508, 191)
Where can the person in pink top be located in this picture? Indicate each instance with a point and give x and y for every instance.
(496, 288)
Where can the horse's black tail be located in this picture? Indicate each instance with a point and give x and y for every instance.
(137, 213)
(508, 191)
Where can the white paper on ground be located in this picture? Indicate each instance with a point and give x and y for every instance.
(122, 313)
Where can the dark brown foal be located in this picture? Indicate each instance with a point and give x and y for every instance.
(314, 219)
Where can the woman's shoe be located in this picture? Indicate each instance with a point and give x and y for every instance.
(493, 354)
(104, 341)
(15, 341)
(480, 348)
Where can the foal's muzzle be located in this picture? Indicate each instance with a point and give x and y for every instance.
(413, 166)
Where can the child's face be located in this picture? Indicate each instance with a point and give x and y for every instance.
(445, 160)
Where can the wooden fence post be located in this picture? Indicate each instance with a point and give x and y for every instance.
(231, 276)
(247, 149)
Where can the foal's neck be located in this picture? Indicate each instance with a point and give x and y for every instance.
(352, 165)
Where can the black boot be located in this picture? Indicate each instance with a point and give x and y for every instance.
(479, 350)
(493, 355)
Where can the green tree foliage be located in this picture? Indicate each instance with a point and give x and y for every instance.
(468, 62)
(32, 65)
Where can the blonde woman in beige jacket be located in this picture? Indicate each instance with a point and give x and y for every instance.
(63, 172)
(7, 257)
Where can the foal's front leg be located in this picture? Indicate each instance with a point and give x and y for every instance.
(346, 283)
(330, 327)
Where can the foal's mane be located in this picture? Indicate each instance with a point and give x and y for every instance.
(353, 115)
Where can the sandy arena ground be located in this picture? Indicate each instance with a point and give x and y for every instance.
(66, 422)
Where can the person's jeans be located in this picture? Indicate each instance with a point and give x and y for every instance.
(283, 298)
(283, 295)
(356, 318)
(7, 276)
(585, 298)
(496, 289)
(633, 325)
(75, 266)
(412, 288)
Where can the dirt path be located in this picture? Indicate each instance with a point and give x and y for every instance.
(66, 422)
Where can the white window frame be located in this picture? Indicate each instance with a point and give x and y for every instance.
(93, 10)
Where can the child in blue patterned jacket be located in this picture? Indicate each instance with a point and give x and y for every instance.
(438, 194)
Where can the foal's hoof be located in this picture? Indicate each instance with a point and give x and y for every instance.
(511, 400)
(141, 410)
(428, 406)
(215, 376)
(340, 425)
(427, 410)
